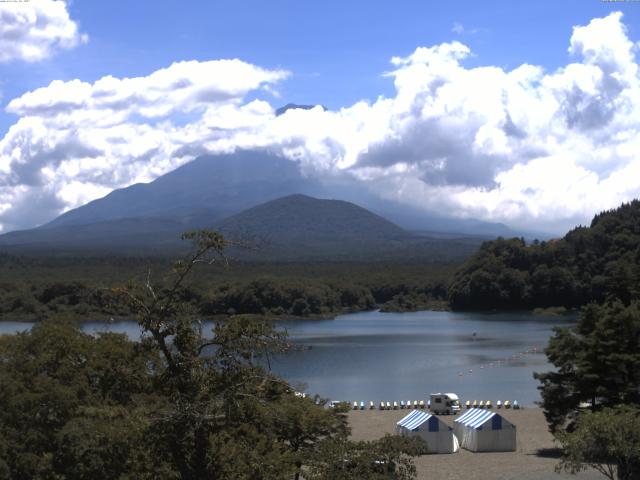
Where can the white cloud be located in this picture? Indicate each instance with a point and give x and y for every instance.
(459, 29)
(531, 148)
(76, 141)
(34, 30)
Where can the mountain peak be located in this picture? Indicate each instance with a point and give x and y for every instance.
(294, 106)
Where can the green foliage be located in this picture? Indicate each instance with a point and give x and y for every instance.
(80, 287)
(180, 404)
(288, 297)
(587, 265)
(53, 380)
(383, 459)
(608, 440)
(598, 362)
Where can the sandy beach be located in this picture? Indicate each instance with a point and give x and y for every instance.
(528, 462)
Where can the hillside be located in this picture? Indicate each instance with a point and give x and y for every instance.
(302, 226)
(213, 187)
(299, 227)
(295, 227)
(204, 190)
(122, 236)
(588, 265)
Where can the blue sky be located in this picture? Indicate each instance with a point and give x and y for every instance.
(336, 50)
(335, 54)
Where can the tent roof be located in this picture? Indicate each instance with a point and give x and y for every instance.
(476, 417)
(414, 419)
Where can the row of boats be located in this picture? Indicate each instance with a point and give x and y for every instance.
(395, 405)
(420, 404)
(416, 404)
(488, 404)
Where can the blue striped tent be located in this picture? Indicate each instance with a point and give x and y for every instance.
(438, 435)
(485, 431)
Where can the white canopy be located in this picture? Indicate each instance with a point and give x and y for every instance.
(485, 431)
(438, 435)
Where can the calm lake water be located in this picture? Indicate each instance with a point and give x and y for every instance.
(401, 356)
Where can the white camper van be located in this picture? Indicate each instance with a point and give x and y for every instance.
(445, 403)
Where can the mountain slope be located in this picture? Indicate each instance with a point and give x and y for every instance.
(213, 187)
(301, 226)
(292, 228)
(125, 235)
(302, 217)
(298, 227)
(210, 187)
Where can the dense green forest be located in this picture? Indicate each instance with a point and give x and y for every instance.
(179, 404)
(33, 288)
(589, 264)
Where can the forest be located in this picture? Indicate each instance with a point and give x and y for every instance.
(589, 264)
(37, 287)
(179, 404)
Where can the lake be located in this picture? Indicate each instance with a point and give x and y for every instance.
(401, 356)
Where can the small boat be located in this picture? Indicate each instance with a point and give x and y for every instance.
(402, 404)
(361, 405)
(487, 404)
(421, 404)
(507, 404)
(475, 404)
(429, 404)
(395, 405)
(499, 404)
(481, 404)
(388, 405)
(516, 405)
(371, 405)
(381, 405)
(415, 404)
(355, 405)
(468, 404)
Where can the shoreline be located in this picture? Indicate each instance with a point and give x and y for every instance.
(535, 457)
(110, 319)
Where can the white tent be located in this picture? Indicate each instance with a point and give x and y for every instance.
(485, 431)
(438, 435)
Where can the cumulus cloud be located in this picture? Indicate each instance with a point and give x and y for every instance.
(34, 30)
(528, 147)
(76, 141)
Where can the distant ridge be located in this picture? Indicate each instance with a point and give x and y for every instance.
(149, 217)
(293, 106)
(302, 216)
(213, 187)
(292, 228)
(299, 226)
(210, 188)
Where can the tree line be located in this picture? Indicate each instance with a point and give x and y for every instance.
(40, 288)
(589, 264)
